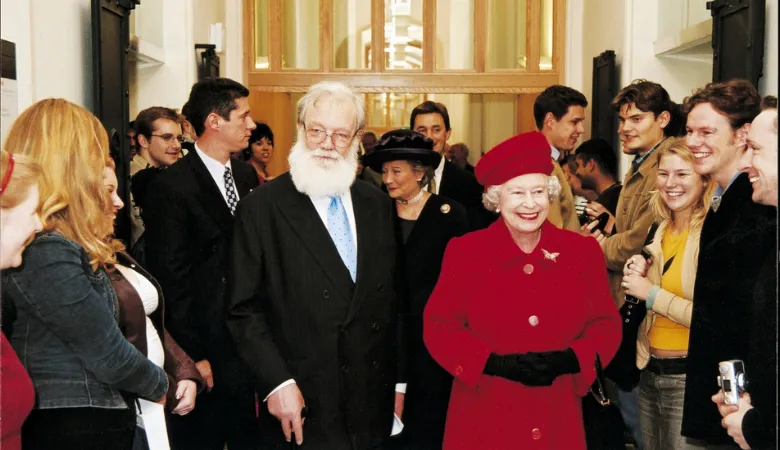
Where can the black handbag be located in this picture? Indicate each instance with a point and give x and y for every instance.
(622, 369)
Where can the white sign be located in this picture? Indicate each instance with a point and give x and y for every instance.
(9, 105)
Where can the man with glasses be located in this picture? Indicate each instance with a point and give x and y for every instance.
(188, 210)
(157, 136)
(312, 304)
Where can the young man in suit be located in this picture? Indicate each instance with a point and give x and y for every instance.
(189, 223)
(432, 120)
(752, 423)
(737, 237)
(312, 303)
(559, 113)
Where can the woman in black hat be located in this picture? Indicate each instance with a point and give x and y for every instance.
(426, 223)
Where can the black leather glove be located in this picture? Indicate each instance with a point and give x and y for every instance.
(533, 368)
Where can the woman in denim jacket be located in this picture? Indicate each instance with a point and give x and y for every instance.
(84, 371)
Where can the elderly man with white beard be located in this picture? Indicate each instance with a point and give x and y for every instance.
(312, 302)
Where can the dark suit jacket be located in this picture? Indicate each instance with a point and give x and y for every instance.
(735, 242)
(462, 187)
(188, 234)
(428, 390)
(295, 313)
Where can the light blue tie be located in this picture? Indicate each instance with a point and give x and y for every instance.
(338, 227)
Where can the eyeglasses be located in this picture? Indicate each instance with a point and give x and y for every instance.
(318, 135)
(170, 137)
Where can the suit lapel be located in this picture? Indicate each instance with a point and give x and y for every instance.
(300, 213)
(210, 195)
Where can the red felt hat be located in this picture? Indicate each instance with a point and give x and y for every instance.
(519, 155)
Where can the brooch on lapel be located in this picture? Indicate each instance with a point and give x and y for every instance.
(445, 208)
(550, 256)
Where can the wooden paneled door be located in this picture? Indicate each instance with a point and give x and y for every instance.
(525, 112)
(277, 110)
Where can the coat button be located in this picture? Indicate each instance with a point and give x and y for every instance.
(375, 364)
(345, 368)
(379, 287)
(375, 326)
(214, 249)
(536, 434)
(533, 320)
(458, 371)
(326, 294)
(528, 269)
(224, 281)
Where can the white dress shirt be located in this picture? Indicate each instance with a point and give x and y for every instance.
(217, 171)
(437, 175)
(321, 204)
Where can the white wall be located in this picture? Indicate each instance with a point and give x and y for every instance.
(169, 84)
(53, 49)
(630, 27)
(768, 83)
(15, 27)
(602, 25)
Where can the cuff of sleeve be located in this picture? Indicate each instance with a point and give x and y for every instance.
(286, 383)
(752, 428)
(400, 388)
(651, 296)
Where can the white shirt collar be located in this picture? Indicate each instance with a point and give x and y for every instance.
(215, 168)
(554, 152)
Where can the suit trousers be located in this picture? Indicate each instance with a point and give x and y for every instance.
(226, 415)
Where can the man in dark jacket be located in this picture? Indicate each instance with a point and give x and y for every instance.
(432, 120)
(753, 422)
(737, 237)
(188, 211)
(312, 304)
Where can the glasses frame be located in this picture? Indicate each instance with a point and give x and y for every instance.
(324, 134)
(180, 138)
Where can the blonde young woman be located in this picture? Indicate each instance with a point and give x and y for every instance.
(19, 221)
(84, 371)
(680, 203)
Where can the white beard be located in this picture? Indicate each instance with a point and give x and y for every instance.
(322, 178)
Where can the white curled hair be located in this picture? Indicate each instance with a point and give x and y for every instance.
(490, 198)
(331, 89)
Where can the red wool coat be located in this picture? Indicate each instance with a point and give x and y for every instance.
(492, 297)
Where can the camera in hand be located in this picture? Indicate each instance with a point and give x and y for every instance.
(731, 378)
(601, 222)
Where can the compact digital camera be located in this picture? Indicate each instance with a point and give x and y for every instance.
(732, 380)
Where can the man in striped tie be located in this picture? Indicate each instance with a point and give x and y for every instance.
(312, 303)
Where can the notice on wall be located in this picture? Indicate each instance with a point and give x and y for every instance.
(9, 94)
(9, 105)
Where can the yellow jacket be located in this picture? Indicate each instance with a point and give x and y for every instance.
(673, 307)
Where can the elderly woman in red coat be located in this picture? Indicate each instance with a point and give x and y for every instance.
(519, 313)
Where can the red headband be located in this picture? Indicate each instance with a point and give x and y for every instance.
(7, 176)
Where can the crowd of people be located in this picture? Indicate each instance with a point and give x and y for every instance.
(384, 293)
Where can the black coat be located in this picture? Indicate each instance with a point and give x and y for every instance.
(295, 313)
(461, 186)
(188, 234)
(429, 385)
(735, 242)
(759, 426)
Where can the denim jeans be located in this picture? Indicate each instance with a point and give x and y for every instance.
(628, 403)
(661, 400)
